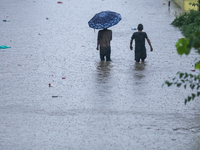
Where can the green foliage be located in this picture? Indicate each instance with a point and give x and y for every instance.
(190, 29)
(188, 22)
(191, 81)
(187, 81)
(195, 41)
(179, 20)
(182, 46)
(194, 4)
(197, 66)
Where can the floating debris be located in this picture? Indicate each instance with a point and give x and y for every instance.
(50, 85)
(6, 20)
(54, 96)
(4, 47)
(133, 28)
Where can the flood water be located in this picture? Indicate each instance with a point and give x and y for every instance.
(93, 105)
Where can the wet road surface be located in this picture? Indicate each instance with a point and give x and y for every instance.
(93, 105)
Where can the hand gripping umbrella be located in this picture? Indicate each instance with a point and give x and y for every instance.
(104, 19)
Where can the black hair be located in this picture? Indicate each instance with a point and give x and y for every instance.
(140, 27)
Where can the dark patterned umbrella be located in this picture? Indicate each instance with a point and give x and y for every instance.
(104, 19)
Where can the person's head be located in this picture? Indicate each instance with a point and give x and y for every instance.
(140, 27)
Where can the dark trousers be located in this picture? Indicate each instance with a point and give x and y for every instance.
(105, 52)
(140, 55)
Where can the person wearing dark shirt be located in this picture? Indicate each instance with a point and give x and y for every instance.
(140, 49)
(104, 38)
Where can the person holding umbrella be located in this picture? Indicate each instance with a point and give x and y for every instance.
(140, 49)
(104, 20)
(104, 38)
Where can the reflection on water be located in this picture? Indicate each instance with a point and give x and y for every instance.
(103, 82)
(139, 66)
(139, 73)
(103, 71)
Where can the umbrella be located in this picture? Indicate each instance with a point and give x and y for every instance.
(104, 19)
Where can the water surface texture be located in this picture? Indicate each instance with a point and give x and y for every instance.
(93, 105)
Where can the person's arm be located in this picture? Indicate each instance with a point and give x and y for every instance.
(150, 44)
(131, 42)
(98, 38)
(111, 36)
(97, 45)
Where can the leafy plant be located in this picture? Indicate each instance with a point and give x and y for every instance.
(187, 81)
(189, 24)
(194, 4)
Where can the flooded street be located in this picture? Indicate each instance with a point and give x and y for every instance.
(93, 105)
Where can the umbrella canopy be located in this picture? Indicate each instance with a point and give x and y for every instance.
(104, 19)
